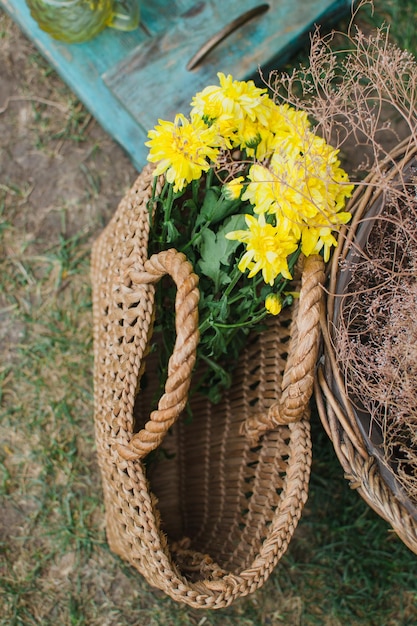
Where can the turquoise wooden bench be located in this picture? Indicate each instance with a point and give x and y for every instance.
(130, 80)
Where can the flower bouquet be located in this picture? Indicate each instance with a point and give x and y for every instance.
(248, 189)
(205, 480)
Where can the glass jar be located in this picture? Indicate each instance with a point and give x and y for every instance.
(74, 21)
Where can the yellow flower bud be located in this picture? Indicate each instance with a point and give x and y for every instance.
(273, 304)
(233, 188)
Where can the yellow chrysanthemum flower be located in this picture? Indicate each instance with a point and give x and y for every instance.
(226, 130)
(248, 135)
(313, 240)
(270, 194)
(285, 118)
(303, 184)
(236, 108)
(182, 149)
(260, 191)
(264, 148)
(278, 125)
(287, 125)
(267, 249)
(326, 181)
(273, 304)
(237, 99)
(318, 236)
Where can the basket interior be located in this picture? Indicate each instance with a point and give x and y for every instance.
(218, 492)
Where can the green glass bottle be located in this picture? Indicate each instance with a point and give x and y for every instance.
(74, 21)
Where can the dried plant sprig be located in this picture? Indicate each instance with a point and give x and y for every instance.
(376, 337)
(354, 87)
(361, 90)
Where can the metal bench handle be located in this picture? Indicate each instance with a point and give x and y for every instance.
(225, 32)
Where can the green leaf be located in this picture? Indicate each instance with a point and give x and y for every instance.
(171, 232)
(224, 310)
(215, 207)
(228, 246)
(209, 263)
(212, 250)
(216, 251)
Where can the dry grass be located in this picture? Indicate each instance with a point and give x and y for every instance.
(61, 179)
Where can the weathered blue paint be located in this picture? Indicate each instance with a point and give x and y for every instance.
(129, 80)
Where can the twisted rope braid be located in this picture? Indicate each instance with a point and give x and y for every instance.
(298, 378)
(182, 360)
(297, 384)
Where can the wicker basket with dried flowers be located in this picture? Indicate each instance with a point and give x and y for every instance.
(368, 378)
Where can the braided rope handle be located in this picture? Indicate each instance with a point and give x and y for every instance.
(298, 378)
(183, 357)
(297, 384)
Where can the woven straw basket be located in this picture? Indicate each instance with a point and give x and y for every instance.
(355, 439)
(204, 510)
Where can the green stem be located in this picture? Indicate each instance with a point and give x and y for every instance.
(293, 259)
(235, 279)
(165, 189)
(249, 322)
(205, 325)
(195, 186)
(169, 203)
(167, 208)
(209, 178)
(193, 240)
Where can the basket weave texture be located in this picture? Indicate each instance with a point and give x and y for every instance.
(357, 451)
(204, 510)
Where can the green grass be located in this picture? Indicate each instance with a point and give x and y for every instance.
(356, 559)
(345, 567)
(400, 16)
